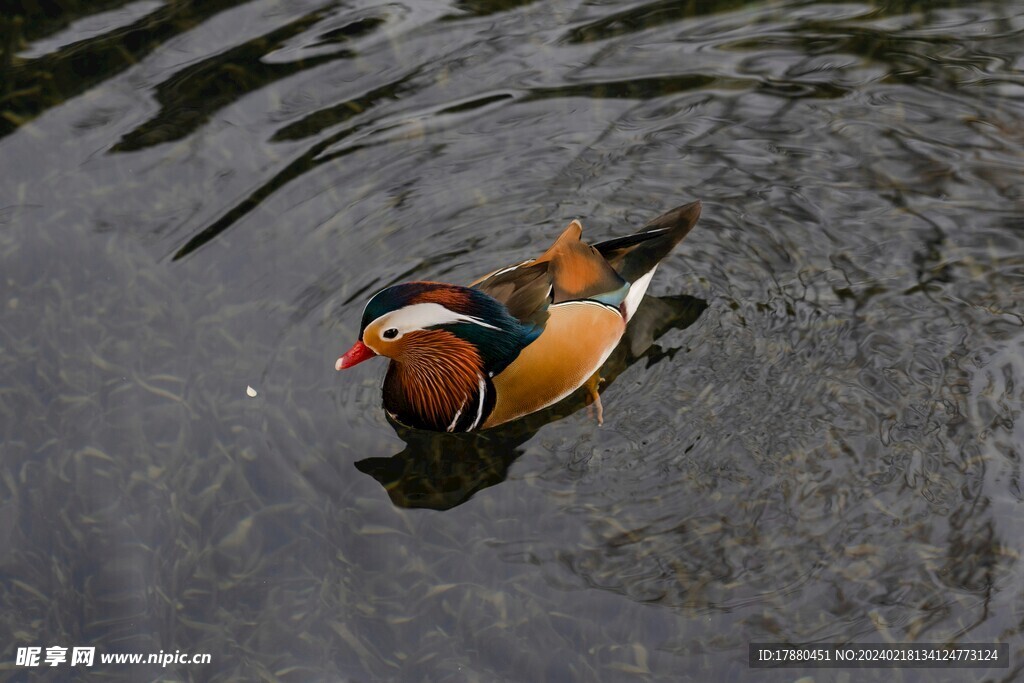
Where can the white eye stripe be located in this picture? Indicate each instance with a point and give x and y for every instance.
(421, 316)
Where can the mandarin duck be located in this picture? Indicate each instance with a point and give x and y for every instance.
(518, 339)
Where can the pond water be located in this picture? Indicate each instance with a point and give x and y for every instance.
(816, 434)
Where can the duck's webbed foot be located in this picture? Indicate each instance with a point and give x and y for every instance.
(594, 403)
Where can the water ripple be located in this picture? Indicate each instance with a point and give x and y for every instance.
(815, 436)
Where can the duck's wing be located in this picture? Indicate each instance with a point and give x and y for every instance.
(580, 272)
(572, 270)
(525, 289)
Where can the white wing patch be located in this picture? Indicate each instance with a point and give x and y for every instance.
(421, 316)
(636, 292)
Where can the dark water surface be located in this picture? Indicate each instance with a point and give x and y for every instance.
(822, 443)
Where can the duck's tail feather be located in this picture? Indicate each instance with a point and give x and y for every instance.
(635, 257)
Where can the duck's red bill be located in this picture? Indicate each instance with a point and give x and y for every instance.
(357, 354)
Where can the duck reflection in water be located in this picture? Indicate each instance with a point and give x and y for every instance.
(441, 470)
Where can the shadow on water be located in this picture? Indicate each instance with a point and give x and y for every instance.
(441, 471)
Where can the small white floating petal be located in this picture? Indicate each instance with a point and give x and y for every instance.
(250, 391)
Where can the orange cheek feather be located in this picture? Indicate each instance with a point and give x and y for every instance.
(436, 372)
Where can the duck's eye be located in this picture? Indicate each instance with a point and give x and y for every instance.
(390, 333)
